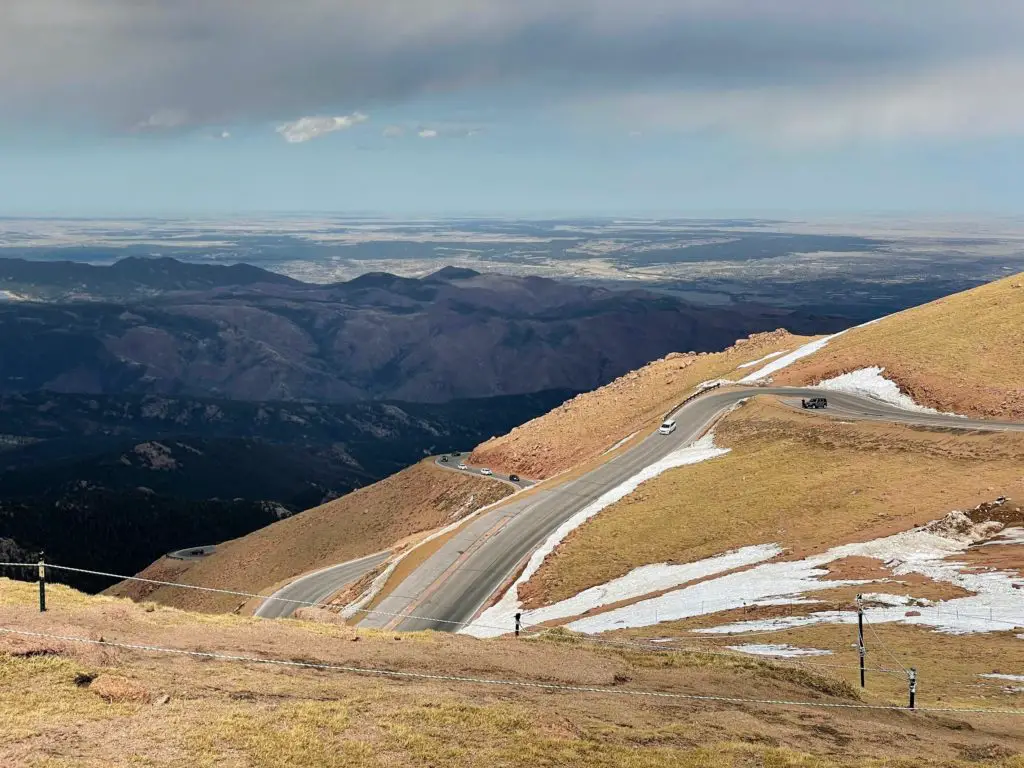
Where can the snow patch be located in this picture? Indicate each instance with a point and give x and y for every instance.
(648, 579)
(797, 354)
(769, 356)
(994, 604)
(1011, 678)
(801, 352)
(1008, 536)
(869, 382)
(502, 614)
(784, 651)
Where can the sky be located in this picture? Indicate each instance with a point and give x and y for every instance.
(511, 107)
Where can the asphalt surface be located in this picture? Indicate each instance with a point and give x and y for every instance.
(318, 586)
(456, 581)
(454, 461)
(193, 553)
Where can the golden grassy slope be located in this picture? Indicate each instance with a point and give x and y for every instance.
(417, 499)
(583, 428)
(963, 353)
(805, 482)
(79, 705)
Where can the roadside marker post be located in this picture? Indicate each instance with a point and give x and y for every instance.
(860, 638)
(42, 583)
(519, 622)
(912, 680)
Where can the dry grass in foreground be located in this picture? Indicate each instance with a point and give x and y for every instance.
(588, 425)
(963, 353)
(805, 482)
(950, 667)
(82, 705)
(418, 499)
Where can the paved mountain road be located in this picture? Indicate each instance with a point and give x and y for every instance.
(455, 582)
(454, 461)
(318, 586)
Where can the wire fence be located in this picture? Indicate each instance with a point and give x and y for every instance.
(691, 645)
(527, 684)
(532, 630)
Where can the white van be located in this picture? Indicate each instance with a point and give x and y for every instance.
(668, 427)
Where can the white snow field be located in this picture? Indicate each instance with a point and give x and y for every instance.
(778, 651)
(767, 357)
(870, 382)
(800, 352)
(502, 614)
(995, 604)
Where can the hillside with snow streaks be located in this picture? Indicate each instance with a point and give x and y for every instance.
(995, 603)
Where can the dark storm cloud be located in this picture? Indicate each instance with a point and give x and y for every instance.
(138, 64)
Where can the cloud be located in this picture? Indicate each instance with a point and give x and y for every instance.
(970, 101)
(393, 132)
(163, 120)
(427, 133)
(306, 128)
(117, 65)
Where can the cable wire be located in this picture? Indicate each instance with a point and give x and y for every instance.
(488, 681)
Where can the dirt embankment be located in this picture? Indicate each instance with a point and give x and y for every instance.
(963, 353)
(589, 424)
(369, 520)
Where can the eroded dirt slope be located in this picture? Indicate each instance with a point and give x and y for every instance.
(963, 353)
(589, 424)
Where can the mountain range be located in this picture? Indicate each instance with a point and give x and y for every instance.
(164, 327)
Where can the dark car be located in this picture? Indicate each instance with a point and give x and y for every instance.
(514, 478)
(444, 459)
(456, 453)
(814, 402)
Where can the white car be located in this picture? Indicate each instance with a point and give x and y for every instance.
(486, 471)
(463, 466)
(668, 427)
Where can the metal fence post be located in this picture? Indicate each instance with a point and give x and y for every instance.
(860, 637)
(912, 679)
(42, 583)
(519, 622)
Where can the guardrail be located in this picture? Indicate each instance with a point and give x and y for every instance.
(692, 396)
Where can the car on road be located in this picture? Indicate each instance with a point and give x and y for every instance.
(456, 453)
(486, 471)
(444, 459)
(514, 478)
(667, 427)
(814, 402)
(463, 466)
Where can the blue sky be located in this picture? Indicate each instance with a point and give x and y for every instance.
(667, 107)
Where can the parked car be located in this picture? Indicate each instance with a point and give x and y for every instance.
(463, 466)
(486, 471)
(814, 402)
(514, 478)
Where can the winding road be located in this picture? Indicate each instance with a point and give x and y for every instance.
(317, 586)
(482, 556)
